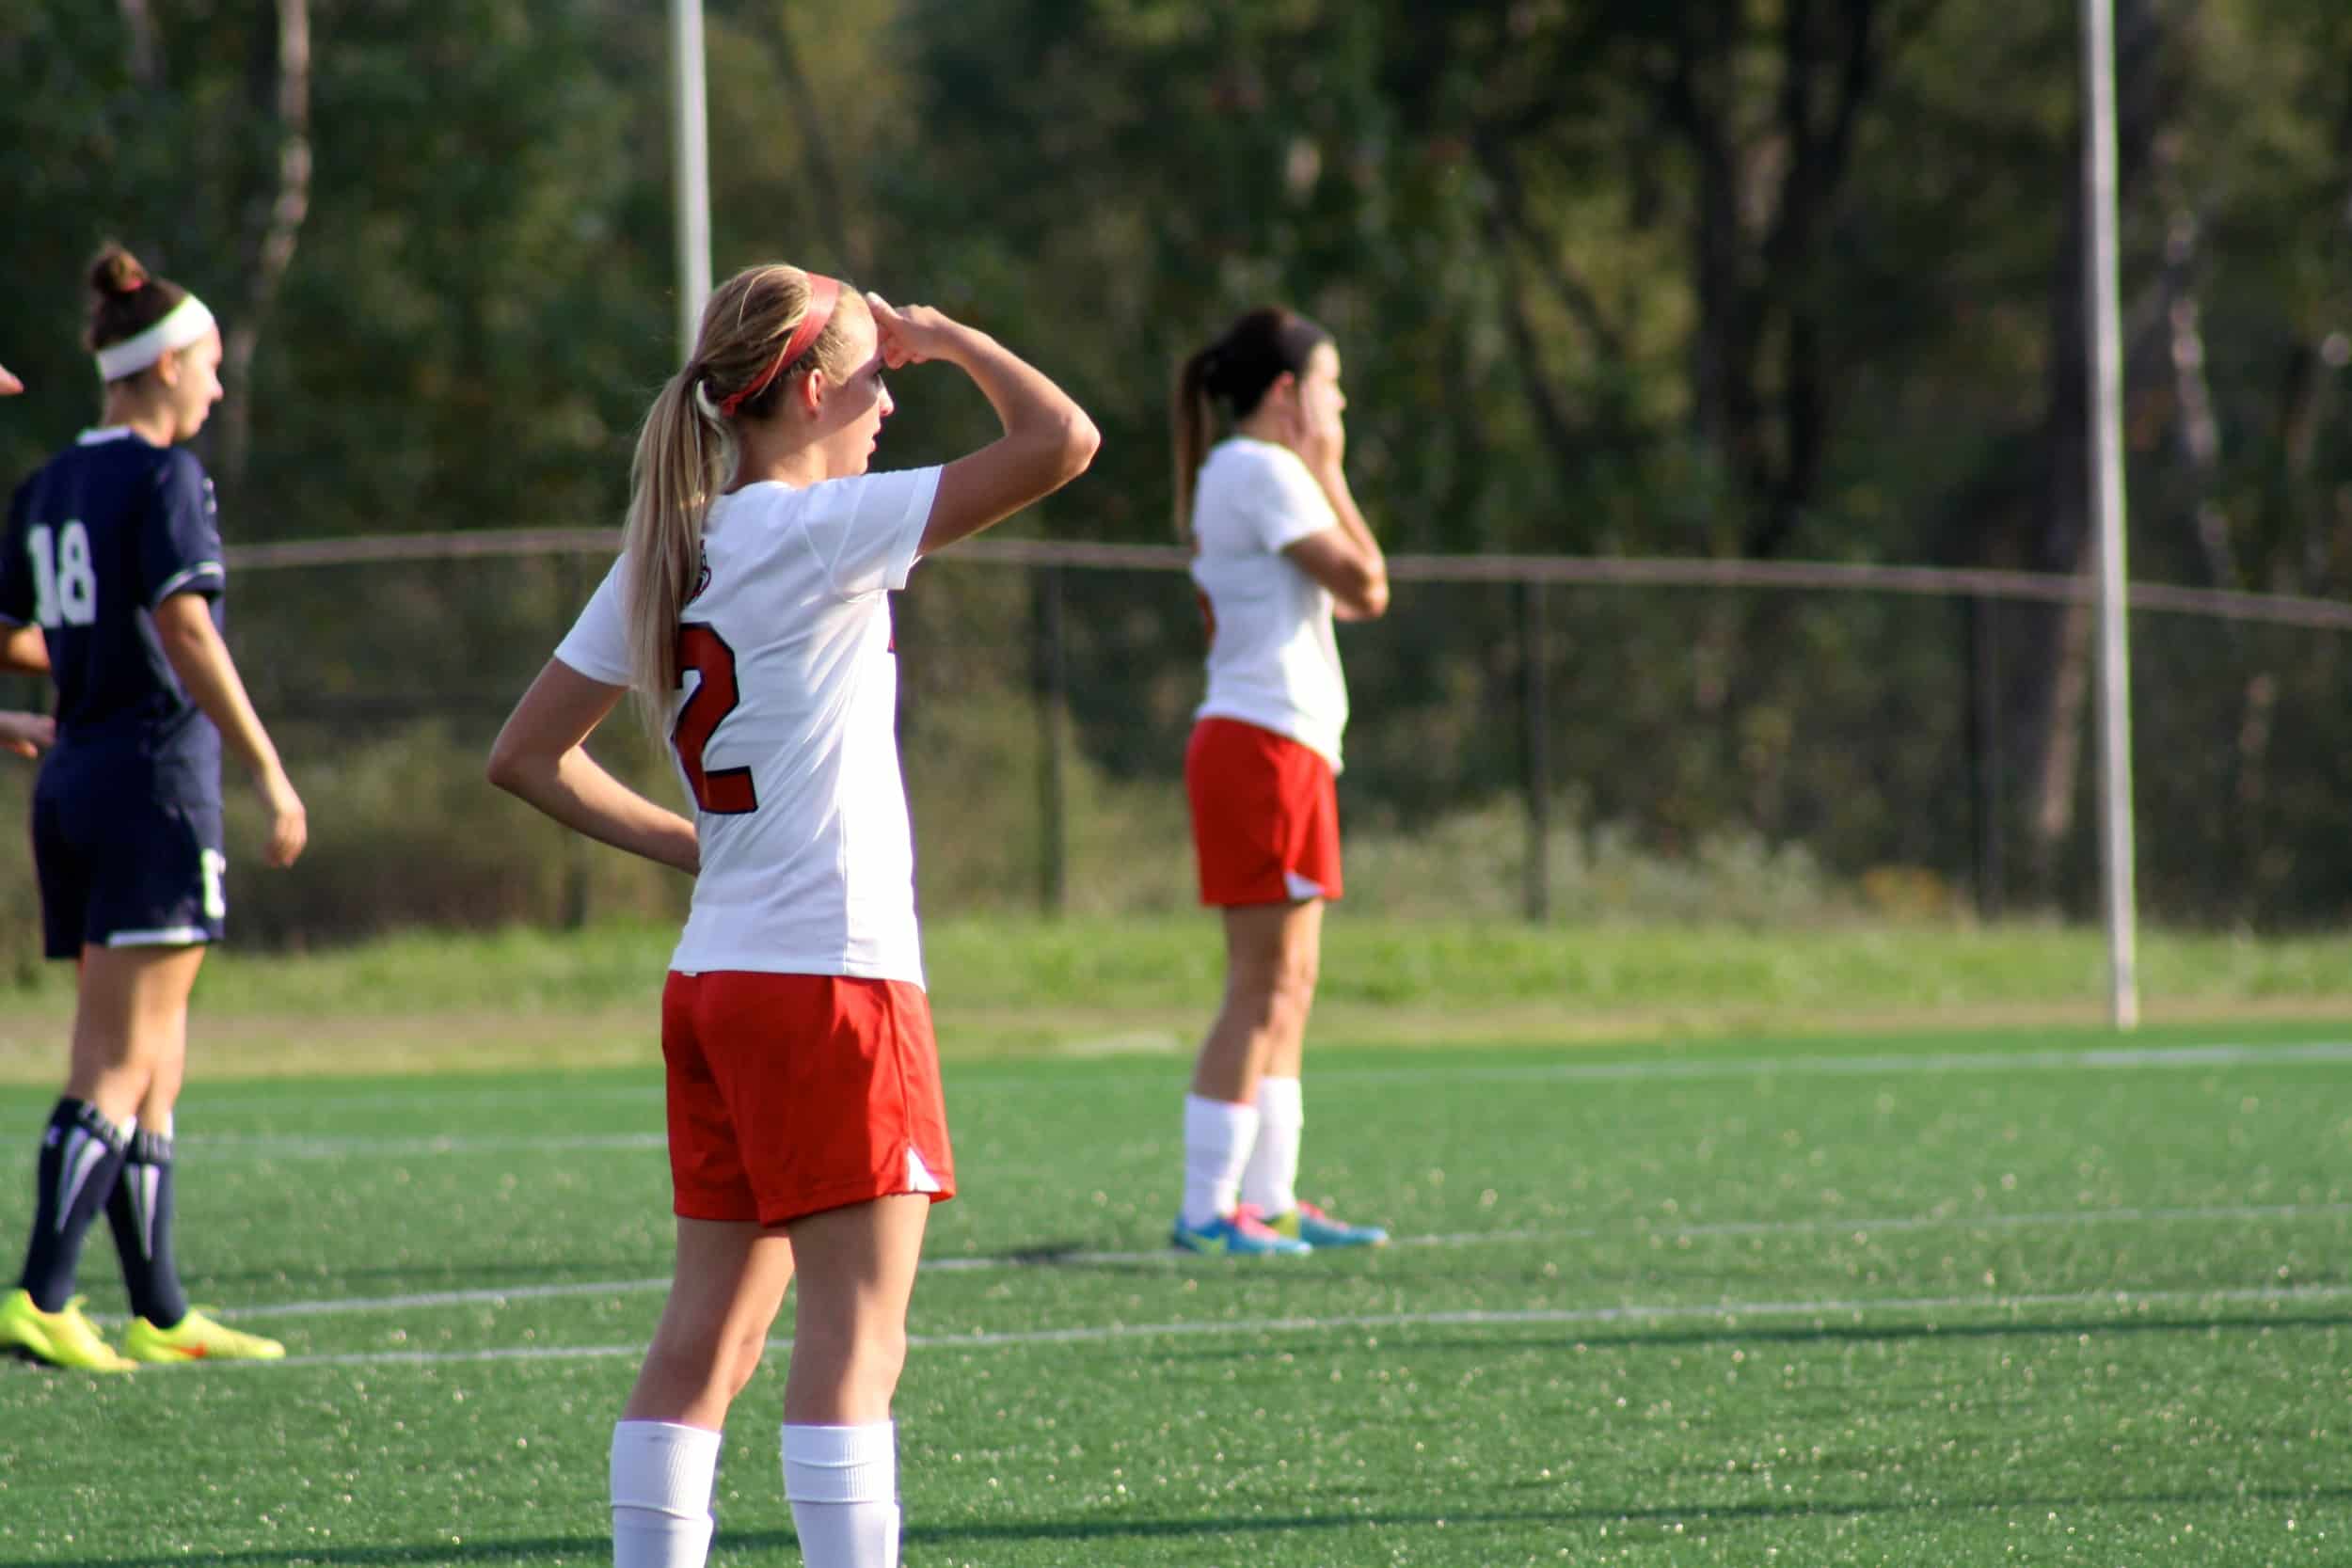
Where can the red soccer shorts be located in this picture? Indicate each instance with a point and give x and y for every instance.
(791, 1094)
(1265, 815)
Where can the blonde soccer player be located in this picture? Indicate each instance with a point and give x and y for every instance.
(1281, 550)
(750, 611)
(111, 581)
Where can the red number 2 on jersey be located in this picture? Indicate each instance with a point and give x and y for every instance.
(728, 791)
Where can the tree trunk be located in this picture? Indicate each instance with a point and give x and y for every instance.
(273, 247)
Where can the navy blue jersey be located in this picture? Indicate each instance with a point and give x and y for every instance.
(101, 534)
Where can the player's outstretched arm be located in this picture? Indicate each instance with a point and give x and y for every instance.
(1048, 441)
(192, 646)
(540, 756)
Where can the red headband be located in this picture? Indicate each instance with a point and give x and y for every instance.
(823, 291)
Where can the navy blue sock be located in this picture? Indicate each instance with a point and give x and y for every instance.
(81, 1154)
(140, 1212)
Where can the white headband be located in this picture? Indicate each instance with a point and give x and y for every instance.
(187, 323)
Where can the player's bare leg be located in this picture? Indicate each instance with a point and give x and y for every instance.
(724, 1294)
(848, 1343)
(1271, 957)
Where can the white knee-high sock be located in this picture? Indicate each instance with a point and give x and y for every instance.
(843, 1485)
(663, 1476)
(1218, 1135)
(1270, 1182)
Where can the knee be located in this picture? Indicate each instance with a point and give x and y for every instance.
(1279, 995)
(866, 1355)
(695, 1367)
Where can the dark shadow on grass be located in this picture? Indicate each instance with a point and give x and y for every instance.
(491, 1273)
(597, 1548)
(1343, 1339)
(1068, 1257)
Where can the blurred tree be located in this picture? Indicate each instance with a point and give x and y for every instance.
(1733, 277)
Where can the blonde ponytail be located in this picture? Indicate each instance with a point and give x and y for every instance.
(741, 371)
(679, 468)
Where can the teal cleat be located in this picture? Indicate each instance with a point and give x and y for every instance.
(1238, 1235)
(1311, 1225)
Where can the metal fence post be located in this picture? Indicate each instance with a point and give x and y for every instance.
(1051, 689)
(1986, 783)
(1534, 749)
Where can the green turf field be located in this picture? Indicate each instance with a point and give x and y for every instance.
(2040, 1297)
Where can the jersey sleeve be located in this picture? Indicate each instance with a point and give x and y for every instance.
(597, 644)
(179, 539)
(1284, 504)
(17, 602)
(868, 531)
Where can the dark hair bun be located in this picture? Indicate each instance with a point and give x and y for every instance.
(117, 271)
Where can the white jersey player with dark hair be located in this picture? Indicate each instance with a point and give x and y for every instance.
(1279, 550)
(750, 613)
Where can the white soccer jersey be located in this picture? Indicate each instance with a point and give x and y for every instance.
(784, 731)
(1273, 662)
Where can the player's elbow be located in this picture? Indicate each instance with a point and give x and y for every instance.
(1076, 442)
(511, 767)
(1364, 596)
(24, 650)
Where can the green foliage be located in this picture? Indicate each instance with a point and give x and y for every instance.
(1621, 279)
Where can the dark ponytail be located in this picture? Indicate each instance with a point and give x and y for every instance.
(1188, 419)
(1236, 370)
(127, 299)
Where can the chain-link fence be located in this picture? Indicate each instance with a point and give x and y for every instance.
(1553, 740)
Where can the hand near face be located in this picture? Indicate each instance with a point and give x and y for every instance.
(909, 336)
(1318, 434)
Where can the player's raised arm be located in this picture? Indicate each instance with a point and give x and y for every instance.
(1048, 441)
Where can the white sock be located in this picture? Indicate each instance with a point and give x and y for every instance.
(663, 1476)
(1270, 1182)
(843, 1485)
(1218, 1135)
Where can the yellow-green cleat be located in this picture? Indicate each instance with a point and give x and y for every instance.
(196, 1337)
(65, 1338)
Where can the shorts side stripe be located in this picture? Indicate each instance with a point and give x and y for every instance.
(167, 936)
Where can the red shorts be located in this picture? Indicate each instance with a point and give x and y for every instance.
(795, 1093)
(1265, 815)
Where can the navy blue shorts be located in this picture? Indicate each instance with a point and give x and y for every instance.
(126, 873)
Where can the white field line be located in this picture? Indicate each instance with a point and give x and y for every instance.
(1861, 1229)
(2103, 1059)
(1730, 1315)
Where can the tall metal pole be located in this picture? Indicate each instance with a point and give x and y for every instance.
(2103, 315)
(691, 139)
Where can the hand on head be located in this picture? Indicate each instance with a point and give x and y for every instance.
(910, 336)
(9, 386)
